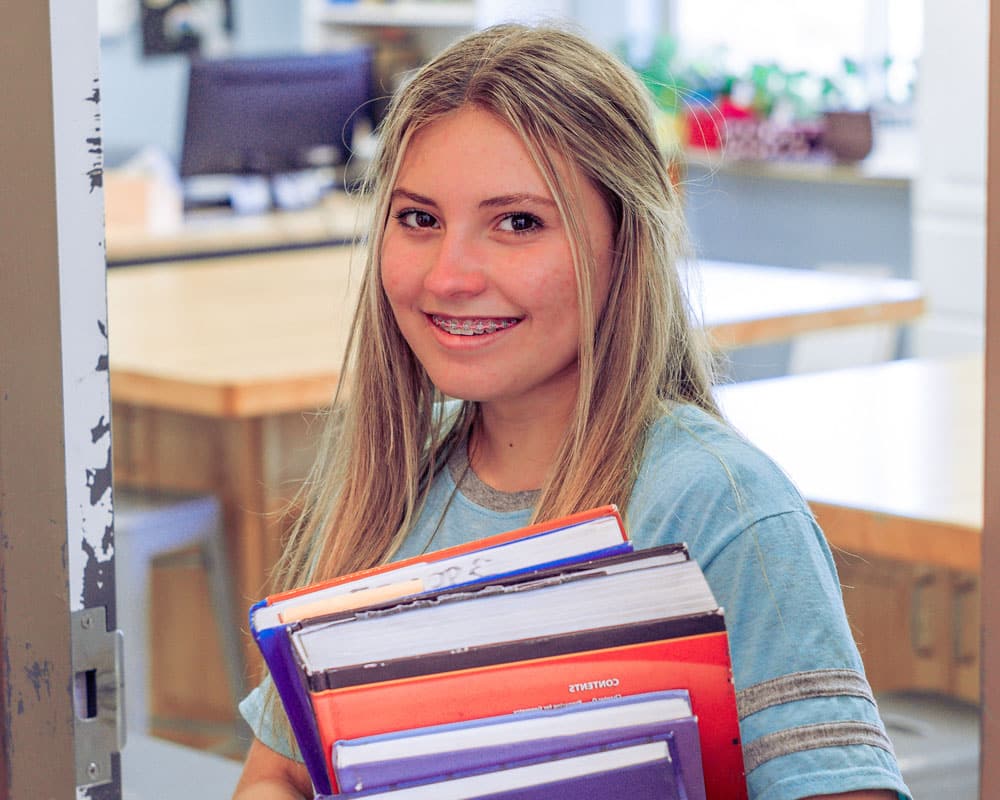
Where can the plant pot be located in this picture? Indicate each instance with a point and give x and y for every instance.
(848, 135)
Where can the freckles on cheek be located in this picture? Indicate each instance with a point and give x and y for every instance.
(559, 289)
(545, 278)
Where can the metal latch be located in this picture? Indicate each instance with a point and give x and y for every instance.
(99, 695)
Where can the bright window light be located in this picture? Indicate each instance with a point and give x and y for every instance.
(815, 37)
(811, 36)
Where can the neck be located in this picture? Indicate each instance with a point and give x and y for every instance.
(514, 452)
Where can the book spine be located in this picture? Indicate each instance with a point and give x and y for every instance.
(699, 664)
(275, 647)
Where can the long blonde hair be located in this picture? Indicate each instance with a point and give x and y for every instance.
(387, 437)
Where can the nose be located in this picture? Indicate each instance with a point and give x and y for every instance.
(458, 266)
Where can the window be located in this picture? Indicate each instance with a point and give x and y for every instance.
(882, 37)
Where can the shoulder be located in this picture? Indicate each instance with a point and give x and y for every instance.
(690, 441)
(701, 482)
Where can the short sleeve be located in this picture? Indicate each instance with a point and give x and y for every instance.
(809, 722)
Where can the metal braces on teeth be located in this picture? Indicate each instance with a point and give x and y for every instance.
(470, 327)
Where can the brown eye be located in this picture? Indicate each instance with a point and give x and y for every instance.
(520, 223)
(416, 219)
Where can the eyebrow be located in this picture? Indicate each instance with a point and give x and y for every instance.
(490, 202)
(416, 198)
(516, 199)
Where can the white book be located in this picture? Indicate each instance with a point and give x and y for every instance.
(596, 535)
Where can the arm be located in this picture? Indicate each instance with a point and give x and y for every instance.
(268, 775)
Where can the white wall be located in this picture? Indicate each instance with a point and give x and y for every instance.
(949, 193)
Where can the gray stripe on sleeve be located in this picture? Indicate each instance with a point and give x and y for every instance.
(812, 737)
(800, 686)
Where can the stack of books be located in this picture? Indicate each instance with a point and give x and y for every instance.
(551, 661)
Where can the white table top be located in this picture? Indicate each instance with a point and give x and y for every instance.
(893, 452)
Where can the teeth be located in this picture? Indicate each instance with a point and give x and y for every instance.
(472, 327)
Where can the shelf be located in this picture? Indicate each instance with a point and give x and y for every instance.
(892, 163)
(410, 14)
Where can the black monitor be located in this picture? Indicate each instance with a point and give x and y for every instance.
(267, 116)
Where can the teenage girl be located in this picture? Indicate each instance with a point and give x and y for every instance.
(523, 262)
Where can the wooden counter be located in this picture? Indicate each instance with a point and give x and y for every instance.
(337, 219)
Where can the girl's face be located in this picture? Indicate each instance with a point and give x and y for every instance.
(477, 266)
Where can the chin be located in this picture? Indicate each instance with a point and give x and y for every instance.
(461, 384)
(464, 390)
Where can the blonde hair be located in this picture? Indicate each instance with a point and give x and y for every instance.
(387, 437)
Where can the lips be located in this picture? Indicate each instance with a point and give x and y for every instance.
(473, 326)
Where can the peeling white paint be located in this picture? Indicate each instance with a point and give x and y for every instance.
(83, 316)
(83, 301)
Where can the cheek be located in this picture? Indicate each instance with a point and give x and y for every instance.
(554, 285)
(397, 280)
(390, 279)
(541, 272)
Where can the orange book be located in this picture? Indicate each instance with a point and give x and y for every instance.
(698, 663)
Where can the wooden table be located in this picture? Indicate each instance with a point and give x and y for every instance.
(218, 365)
(890, 458)
(263, 333)
(745, 304)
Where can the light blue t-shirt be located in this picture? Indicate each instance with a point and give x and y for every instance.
(808, 721)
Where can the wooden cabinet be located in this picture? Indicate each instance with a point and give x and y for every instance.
(254, 466)
(917, 626)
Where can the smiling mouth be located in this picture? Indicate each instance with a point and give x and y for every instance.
(473, 326)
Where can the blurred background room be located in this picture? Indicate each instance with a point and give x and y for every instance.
(832, 162)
